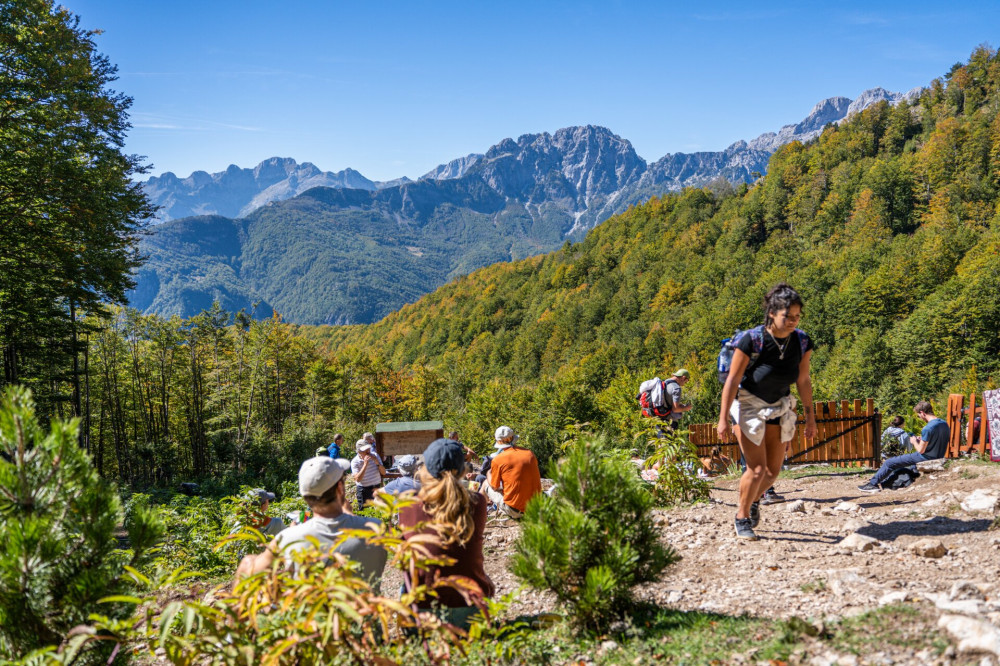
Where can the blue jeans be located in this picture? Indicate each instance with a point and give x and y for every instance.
(892, 464)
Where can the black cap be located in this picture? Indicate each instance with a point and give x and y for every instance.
(443, 455)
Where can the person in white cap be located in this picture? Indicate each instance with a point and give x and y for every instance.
(514, 477)
(367, 470)
(321, 484)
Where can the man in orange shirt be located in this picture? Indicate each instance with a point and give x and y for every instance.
(514, 476)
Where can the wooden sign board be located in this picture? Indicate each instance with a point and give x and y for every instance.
(406, 437)
(991, 400)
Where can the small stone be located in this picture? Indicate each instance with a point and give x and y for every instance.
(966, 589)
(850, 507)
(858, 542)
(853, 525)
(929, 548)
(795, 506)
(674, 596)
(973, 635)
(609, 646)
(893, 598)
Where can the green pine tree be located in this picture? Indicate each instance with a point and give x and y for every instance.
(60, 554)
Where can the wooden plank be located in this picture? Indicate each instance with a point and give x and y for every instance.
(954, 419)
(845, 412)
(819, 409)
(838, 430)
(873, 441)
(861, 434)
(969, 444)
(983, 427)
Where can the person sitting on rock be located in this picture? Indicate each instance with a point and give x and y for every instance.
(895, 440)
(932, 444)
(514, 477)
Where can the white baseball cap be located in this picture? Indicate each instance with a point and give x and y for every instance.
(318, 475)
(502, 433)
(362, 445)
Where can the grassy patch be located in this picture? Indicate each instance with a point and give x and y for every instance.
(815, 586)
(890, 628)
(822, 470)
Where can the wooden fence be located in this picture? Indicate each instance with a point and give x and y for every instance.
(847, 432)
(962, 439)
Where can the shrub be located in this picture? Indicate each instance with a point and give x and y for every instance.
(593, 540)
(324, 613)
(58, 529)
(677, 460)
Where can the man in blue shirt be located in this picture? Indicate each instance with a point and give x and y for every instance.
(932, 444)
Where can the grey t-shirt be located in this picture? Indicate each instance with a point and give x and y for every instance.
(674, 391)
(326, 531)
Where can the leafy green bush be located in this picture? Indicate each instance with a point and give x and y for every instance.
(58, 529)
(593, 540)
(676, 460)
(324, 613)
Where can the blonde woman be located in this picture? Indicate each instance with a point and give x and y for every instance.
(457, 517)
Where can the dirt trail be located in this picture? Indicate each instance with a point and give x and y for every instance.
(800, 567)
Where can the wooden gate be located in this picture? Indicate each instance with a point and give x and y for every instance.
(965, 442)
(847, 432)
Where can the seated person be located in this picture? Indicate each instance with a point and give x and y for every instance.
(407, 466)
(457, 518)
(367, 470)
(932, 444)
(265, 524)
(715, 463)
(895, 440)
(321, 484)
(514, 477)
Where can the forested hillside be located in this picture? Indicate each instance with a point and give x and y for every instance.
(887, 224)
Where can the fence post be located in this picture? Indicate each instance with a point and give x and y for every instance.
(877, 438)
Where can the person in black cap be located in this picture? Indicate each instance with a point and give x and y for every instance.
(457, 518)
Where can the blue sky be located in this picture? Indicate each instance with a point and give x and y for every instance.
(395, 88)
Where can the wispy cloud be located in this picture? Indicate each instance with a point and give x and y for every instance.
(748, 15)
(185, 124)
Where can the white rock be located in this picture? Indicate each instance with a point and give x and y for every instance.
(853, 525)
(972, 635)
(796, 506)
(966, 607)
(893, 598)
(850, 507)
(858, 542)
(981, 500)
(966, 589)
(674, 596)
(931, 465)
(609, 646)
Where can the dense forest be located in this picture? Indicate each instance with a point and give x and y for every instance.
(887, 224)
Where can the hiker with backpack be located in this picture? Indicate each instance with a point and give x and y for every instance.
(759, 366)
(662, 399)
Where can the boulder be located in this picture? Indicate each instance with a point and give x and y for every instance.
(981, 500)
(936, 465)
(893, 598)
(973, 635)
(929, 548)
(853, 525)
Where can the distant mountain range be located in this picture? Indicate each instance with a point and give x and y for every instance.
(338, 248)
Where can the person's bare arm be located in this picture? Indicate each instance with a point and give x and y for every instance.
(736, 370)
(804, 384)
(254, 564)
(919, 445)
(364, 468)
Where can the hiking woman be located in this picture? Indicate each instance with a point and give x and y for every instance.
(457, 518)
(766, 362)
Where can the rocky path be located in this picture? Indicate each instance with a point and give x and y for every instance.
(830, 551)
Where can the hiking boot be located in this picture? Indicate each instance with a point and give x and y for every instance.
(744, 529)
(869, 488)
(755, 514)
(771, 497)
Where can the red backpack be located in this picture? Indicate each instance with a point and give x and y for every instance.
(653, 398)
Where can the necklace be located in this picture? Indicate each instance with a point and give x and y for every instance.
(781, 347)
